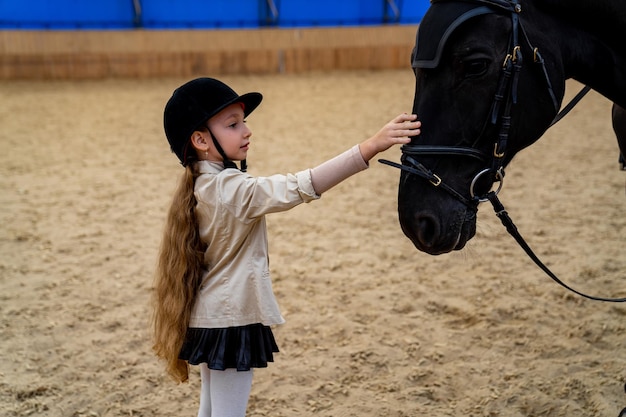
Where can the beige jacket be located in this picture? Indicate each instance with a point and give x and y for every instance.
(236, 288)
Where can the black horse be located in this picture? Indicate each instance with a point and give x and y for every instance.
(490, 79)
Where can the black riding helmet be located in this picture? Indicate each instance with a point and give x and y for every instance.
(189, 108)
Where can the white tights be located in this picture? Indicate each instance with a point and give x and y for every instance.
(224, 393)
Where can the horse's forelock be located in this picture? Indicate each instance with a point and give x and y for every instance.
(439, 22)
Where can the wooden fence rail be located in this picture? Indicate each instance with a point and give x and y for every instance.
(158, 53)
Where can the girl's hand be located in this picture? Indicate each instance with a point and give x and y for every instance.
(397, 131)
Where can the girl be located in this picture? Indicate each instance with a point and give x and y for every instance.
(213, 295)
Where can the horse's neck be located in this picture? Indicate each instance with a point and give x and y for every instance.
(593, 45)
(604, 18)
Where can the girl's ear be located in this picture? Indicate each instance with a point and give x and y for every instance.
(199, 141)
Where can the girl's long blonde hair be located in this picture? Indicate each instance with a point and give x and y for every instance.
(178, 277)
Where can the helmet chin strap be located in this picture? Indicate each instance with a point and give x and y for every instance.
(227, 162)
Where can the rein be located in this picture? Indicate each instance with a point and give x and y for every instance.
(504, 99)
(512, 229)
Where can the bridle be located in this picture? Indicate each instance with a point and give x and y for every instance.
(500, 115)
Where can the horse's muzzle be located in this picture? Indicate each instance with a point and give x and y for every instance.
(431, 233)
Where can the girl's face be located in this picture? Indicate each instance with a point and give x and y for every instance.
(230, 130)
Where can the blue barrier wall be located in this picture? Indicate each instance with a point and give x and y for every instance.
(203, 14)
(173, 14)
(329, 13)
(67, 14)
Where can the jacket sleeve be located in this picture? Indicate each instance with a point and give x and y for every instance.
(249, 198)
(332, 172)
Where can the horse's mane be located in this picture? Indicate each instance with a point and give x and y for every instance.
(604, 18)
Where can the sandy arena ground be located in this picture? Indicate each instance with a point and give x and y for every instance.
(374, 327)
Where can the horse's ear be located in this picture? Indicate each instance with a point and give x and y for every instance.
(440, 20)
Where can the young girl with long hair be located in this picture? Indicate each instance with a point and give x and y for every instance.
(213, 296)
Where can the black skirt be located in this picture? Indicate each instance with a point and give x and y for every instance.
(241, 348)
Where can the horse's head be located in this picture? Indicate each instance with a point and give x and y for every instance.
(482, 94)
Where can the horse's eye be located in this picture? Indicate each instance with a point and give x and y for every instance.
(475, 68)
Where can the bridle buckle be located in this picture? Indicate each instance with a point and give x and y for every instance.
(436, 180)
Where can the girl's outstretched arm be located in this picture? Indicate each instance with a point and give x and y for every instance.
(333, 171)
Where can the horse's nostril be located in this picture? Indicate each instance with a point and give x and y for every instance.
(427, 229)
(434, 235)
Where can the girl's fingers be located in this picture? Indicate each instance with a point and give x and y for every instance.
(407, 117)
(407, 129)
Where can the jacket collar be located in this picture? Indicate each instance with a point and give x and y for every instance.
(209, 167)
